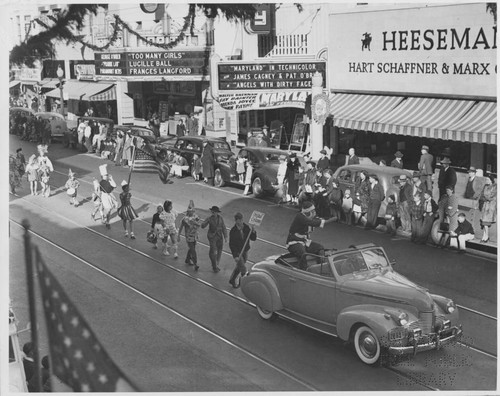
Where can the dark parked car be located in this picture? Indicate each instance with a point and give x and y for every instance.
(265, 163)
(188, 146)
(356, 295)
(58, 125)
(387, 178)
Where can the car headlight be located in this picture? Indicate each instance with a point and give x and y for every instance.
(451, 307)
(403, 318)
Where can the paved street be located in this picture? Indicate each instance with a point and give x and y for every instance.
(172, 329)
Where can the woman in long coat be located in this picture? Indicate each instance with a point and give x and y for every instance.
(488, 207)
(292, 177)
(362, 186)
(208, 162)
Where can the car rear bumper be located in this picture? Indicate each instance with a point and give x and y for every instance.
(439, 341)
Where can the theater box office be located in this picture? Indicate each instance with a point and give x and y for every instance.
(167, 83)
(415, 75)
(263, 92)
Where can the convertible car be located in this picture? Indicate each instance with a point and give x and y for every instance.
(356, 295)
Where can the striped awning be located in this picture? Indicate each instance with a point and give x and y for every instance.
(108, 94)
(79, 90)
(14, 83)
(423, 117)
(479, 125)
(361, 111)
(49, 83)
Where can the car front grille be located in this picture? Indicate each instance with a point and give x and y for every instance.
(426, 322)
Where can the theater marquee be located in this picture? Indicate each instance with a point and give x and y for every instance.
(442, 50)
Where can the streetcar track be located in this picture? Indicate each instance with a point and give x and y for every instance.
(174, 311)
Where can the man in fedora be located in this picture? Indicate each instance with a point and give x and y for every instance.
(398, 161)
(425, 167)
(376, 197)
(447, 177)
(217, 235)
(405, 197)
(474, 185)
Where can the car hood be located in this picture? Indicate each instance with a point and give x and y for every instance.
(388, 285)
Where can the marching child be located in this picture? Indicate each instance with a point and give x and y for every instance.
(168, 217)
(71, 187)
(157, 225)
(347, 205)
(96, 198)
(390, 214)
(190, 223)
(32, 172)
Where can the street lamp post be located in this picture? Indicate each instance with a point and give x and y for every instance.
(60, 75)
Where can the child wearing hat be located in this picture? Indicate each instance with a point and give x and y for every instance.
(391, 212)
(190, 223)
(168, 217)
(347, 205)
(71, 187)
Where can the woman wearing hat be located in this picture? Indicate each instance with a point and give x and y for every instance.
(292, 177)
(126, 212)
(488, 207)
(208, 162)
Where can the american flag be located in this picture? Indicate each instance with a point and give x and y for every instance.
(78, 360)
(146, 162)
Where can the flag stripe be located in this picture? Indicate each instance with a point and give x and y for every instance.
(145, 162)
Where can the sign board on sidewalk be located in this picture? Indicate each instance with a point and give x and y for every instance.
(256, 218)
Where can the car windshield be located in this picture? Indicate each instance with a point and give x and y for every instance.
(221, 145)
(357, 261)
(272, 157)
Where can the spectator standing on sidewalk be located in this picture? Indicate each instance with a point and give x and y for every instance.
(239, 242)
(190, 223)
(488, 207)
(449, 205)
(376, 196)
(398, 161)
(208, 162)
(352, 158)
(323, 162)
(347, 206)
(217, 235)
(463, 233)
(405, 198)
(391, 211)
(447, 177)
(292, 177)
(425, 167)
(429, 215)
(417, 217)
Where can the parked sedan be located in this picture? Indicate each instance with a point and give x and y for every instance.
(188, 146)
(265, 163)
(58, 125)
(356, 295)
(387, 177)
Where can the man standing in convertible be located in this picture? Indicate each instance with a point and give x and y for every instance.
(298, 241)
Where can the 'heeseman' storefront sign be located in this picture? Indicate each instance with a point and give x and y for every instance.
(443, 50)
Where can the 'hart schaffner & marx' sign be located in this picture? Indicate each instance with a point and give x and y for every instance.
(448, 50)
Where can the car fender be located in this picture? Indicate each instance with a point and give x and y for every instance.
(374, 316)
(260, 289)
(264, 179)
(225, 170)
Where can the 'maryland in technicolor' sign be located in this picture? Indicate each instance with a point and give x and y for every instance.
(448, 50)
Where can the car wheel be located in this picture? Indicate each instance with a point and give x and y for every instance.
(264, 314)
(257, 187)
(367, 345)
(435, 234)
(218, 180)
(162, 155)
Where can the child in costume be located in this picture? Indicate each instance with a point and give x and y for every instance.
(168, 217)
(71, 187)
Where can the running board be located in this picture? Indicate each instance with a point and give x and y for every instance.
(322, 327)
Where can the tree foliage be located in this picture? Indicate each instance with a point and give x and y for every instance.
(68, 23)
